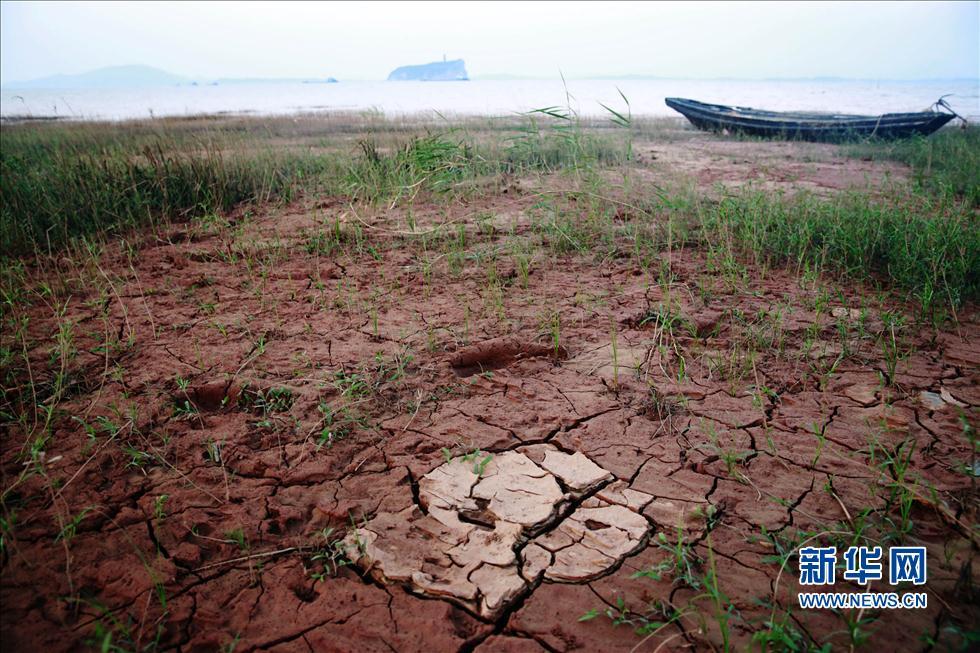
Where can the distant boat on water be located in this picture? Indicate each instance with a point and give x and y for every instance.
(810, 126)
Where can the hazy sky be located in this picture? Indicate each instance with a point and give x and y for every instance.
(892, 40)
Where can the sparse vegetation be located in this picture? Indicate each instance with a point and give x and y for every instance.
(224, 345)
(945, 164)
(926, 246)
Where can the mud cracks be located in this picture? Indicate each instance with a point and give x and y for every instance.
(490, 487)
(485, 532)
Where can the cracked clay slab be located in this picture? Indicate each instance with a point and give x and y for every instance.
(483, 539)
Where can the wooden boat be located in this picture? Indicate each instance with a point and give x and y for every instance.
(810, 126)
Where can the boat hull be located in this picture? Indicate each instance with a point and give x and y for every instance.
(807, 126)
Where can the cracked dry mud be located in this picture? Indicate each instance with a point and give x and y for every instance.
(484, 534)
(597, 452)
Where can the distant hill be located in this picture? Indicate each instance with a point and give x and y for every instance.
(437, 71)
(112, 77)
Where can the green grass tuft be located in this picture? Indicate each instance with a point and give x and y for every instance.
(57, 184)
(947, 162)
(927, 245)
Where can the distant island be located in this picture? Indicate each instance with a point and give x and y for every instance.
(111, 77)
(437, 71)
(140, 76)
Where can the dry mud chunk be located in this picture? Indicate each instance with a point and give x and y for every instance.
(611, 363)
(500, 352)
(673, 514)
(472, 545)
(518, 490)
(498, 586)
(578, 563)
(866, 395)
(602, 534)
(622, 494)
(576, 471)
(448, 486)
(733, 412)
(535, 560)
(492, 547)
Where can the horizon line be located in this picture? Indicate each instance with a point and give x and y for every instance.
(504, 77)
(494, 76)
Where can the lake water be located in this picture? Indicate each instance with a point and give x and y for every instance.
(485, 97)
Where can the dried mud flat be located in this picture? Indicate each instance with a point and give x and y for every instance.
(369, 449)
(773, 166)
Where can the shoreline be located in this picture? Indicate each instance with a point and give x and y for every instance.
(482, 98)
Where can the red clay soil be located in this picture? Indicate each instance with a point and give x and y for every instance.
(202, 519)
(772, 166)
